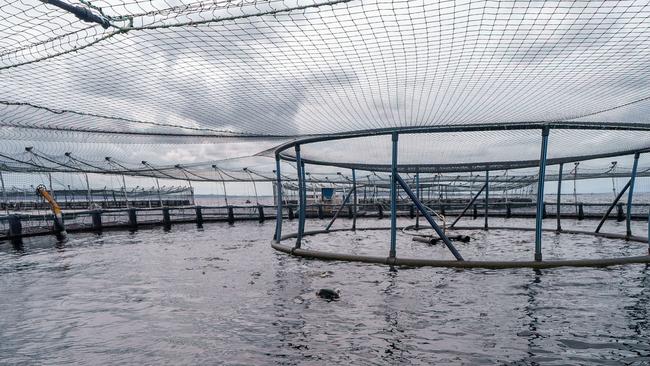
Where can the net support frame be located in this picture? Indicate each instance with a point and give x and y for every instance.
(301, 197)
(428, 217)
(354, 203)
(338, 211)
(611, 207)
(539, 215)
(278, 210)
(630, 195)
(558, 202)
(471, 202)
(393, 197)
(417, 195)
(487, 198)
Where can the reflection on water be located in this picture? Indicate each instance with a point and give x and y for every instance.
(221, 295)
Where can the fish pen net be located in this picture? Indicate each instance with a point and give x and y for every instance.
(496, 96)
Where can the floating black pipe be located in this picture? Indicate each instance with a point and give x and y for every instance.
(81, 13)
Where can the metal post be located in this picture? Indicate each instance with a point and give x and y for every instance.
(159, 196)
(301, 198)
(393, 199)
(225, 194)
(278, 213)
(558, 200)
(648, 232)
(417, 195)
(540, 194)
(4, 194)
(630, 193)
(49, 176)
(487, 197)
(126, 197)
(354, 202)
(90, 200)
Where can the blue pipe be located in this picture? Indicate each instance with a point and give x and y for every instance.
(301, 200)
(487, 197)
(630, 193)
(417, 195)
(393, 199)
(559, 197)
(540, 194)
(278, 215)
(354, 204)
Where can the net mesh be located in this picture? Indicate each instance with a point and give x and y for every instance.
(195, 82)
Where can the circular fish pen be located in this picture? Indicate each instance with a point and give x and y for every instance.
(406, 154)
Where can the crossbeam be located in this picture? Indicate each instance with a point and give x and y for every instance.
(428, 217)
(338, 211)
(611, 207)
(471, 202)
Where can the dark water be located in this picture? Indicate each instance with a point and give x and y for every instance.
(222, 296)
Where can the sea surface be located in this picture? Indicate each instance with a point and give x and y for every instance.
(222, 295)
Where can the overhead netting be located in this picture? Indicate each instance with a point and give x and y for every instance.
(191, 82)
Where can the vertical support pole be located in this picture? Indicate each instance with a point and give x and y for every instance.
(354, 202)
(417, 195)
(648, 232)
(301, 198)
(630, 193)
(231, 215)
(126, 197)
(49, 176)
(260, 211)
(540, 194)
(487, 197)
(133, 218)
(199, 216)
(167, 222)
(15, 226)
(393, 199)
(558, 227)
(97, 220)
(90, 200)
(159, 196)
(278, 212)
(4, 194)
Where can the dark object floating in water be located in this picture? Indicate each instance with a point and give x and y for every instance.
(433, 241)
(328, 294)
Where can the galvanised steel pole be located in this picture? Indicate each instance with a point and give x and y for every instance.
(559, 196)
(540, 194)
(393, 199)
(301, 198)
(354, 203)
(278, 213)
(630, 193)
